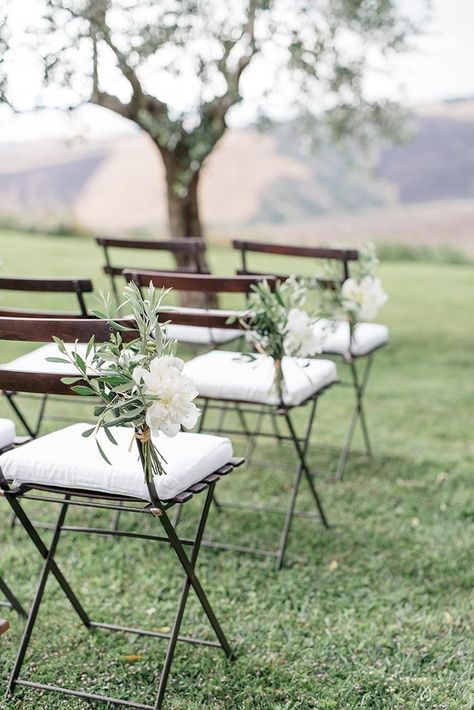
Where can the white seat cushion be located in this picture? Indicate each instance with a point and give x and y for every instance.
(66, 459)
(197, 335)
(230, 376)
(366, 338)
(7, 433)
(35, 361)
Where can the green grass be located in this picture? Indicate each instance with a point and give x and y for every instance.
(371, 614)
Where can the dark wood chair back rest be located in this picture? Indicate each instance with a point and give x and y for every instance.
(41, 330)
(209, 318)
(345, 256)
(192, 247)
(33, 284)
(197, 282)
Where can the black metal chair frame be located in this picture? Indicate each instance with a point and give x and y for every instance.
(218, 318)
(31, 284)
(359, 377)
(14, 329)
(303, 471)
(10, 601)
(192, 248)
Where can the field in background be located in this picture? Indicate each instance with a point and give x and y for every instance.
(373, 614)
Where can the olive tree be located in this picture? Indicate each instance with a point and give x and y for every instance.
(177, 68)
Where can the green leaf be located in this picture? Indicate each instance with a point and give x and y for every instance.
(58, 359)
(88, 432)
(109, 435)
(120, 327)
(90, 345)
(70, 380)
(102, 452)
(60, 344)
(84, 390)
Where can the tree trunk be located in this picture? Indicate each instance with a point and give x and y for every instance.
(184, 221)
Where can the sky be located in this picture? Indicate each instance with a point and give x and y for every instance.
(441, 67)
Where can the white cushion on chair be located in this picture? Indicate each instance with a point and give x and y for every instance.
(367, 337)
(230, 376)
(66, 459)
(7, 433)
(35, 361)
(197, 335)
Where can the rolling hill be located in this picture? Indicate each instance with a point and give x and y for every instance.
(259, 183)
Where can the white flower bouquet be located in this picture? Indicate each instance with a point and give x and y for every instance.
(359, 297)
(140, 383)
(278, 324)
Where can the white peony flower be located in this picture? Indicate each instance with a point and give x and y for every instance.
(363, 298)
(301, 339)
(175, 407)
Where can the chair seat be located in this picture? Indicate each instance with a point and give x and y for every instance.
(366, 338)
(7, 433)
(230, 376)
(35, 360)
(197, 335)
(66, 459)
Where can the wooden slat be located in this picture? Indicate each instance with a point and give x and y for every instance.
(35, 382)
(41, 330)
(198, 487)
(203, 318)
(325, 283)
(19, 313)
(197, 282)
(293, 250)
(119, 270)
(49, 285)
(188, 245)
(182, 497)
(225, 470)
(237, 461)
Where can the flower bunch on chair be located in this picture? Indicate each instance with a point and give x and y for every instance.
(359, 297)
(278, 324)
(139, 382)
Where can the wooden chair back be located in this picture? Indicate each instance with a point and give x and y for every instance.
(32, 284)
(42, 330)
(344, 256)
(189, 249)
(207, 283)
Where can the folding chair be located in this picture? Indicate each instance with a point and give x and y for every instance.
(353, 345)
(7, 439)
(43, 471)
(36, 359)
(188, 254)
(226, 378)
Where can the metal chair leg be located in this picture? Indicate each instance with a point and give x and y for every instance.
(48, 566)
(188, 568)
(11, 598)
(301, 453)
(358, 414)
(288, 520)
(302, 469)
(190, 580)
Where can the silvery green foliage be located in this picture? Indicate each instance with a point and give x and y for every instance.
(267, 314)
(107, 371)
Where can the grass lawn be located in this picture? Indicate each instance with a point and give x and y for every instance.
(373, 613)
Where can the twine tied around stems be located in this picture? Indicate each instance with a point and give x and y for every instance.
(144, 437)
